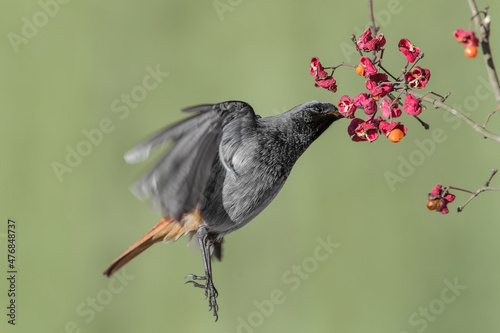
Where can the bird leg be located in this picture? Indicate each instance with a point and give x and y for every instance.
(206, 243)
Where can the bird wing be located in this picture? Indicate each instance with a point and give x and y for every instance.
(178, 180)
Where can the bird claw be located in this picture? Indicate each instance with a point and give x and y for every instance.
(210, 292)
(196, 284)
(195, 277)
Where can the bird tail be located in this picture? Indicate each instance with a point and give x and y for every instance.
(167, 229)
(142, 244)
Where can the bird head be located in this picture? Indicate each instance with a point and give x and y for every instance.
(318, 110)
(313, 118)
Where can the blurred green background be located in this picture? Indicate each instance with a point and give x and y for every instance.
(69, 71)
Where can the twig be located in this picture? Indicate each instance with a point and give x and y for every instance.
(484, 188)
(483, 28)
(372, 17)
(374, 27)
(387, 72)
(355, 41)
(423, 123)
(340, 65)
(460, 189)
(489, 116)
(438, 104)
(417, 59)
(443, 98)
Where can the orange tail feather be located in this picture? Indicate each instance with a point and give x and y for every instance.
(153, 236)
(167, 229)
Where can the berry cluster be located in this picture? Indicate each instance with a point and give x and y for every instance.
(469, 39)
(439, 198)
(381, 89)
(393, 96)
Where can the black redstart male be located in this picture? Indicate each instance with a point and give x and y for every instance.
(226, 164)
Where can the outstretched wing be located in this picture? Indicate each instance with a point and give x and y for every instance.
(178, 180)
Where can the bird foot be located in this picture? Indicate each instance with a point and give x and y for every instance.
(210, 291)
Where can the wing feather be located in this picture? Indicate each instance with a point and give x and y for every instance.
(178, 180)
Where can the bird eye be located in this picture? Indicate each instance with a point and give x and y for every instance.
(317, 108)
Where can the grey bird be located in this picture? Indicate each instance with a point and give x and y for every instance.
(225, 165)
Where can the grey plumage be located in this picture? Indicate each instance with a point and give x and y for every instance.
(227, 161)
(225, 165)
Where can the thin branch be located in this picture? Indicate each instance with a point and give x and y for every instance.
(489, 116)
(340, 65)
(493, 172)
(483, 28)
(443, 98)
(387, 72)
(374, 27)
(437, 103)
(423, 123)
(417, 59)
(355, 41)
(372, 17)
(484, 188)
(460, 189)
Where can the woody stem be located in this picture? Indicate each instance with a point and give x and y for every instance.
(484, 188)
(437, 103)
(374, 27)
(483, 28)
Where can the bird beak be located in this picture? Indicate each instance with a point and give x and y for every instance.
(336, 113)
